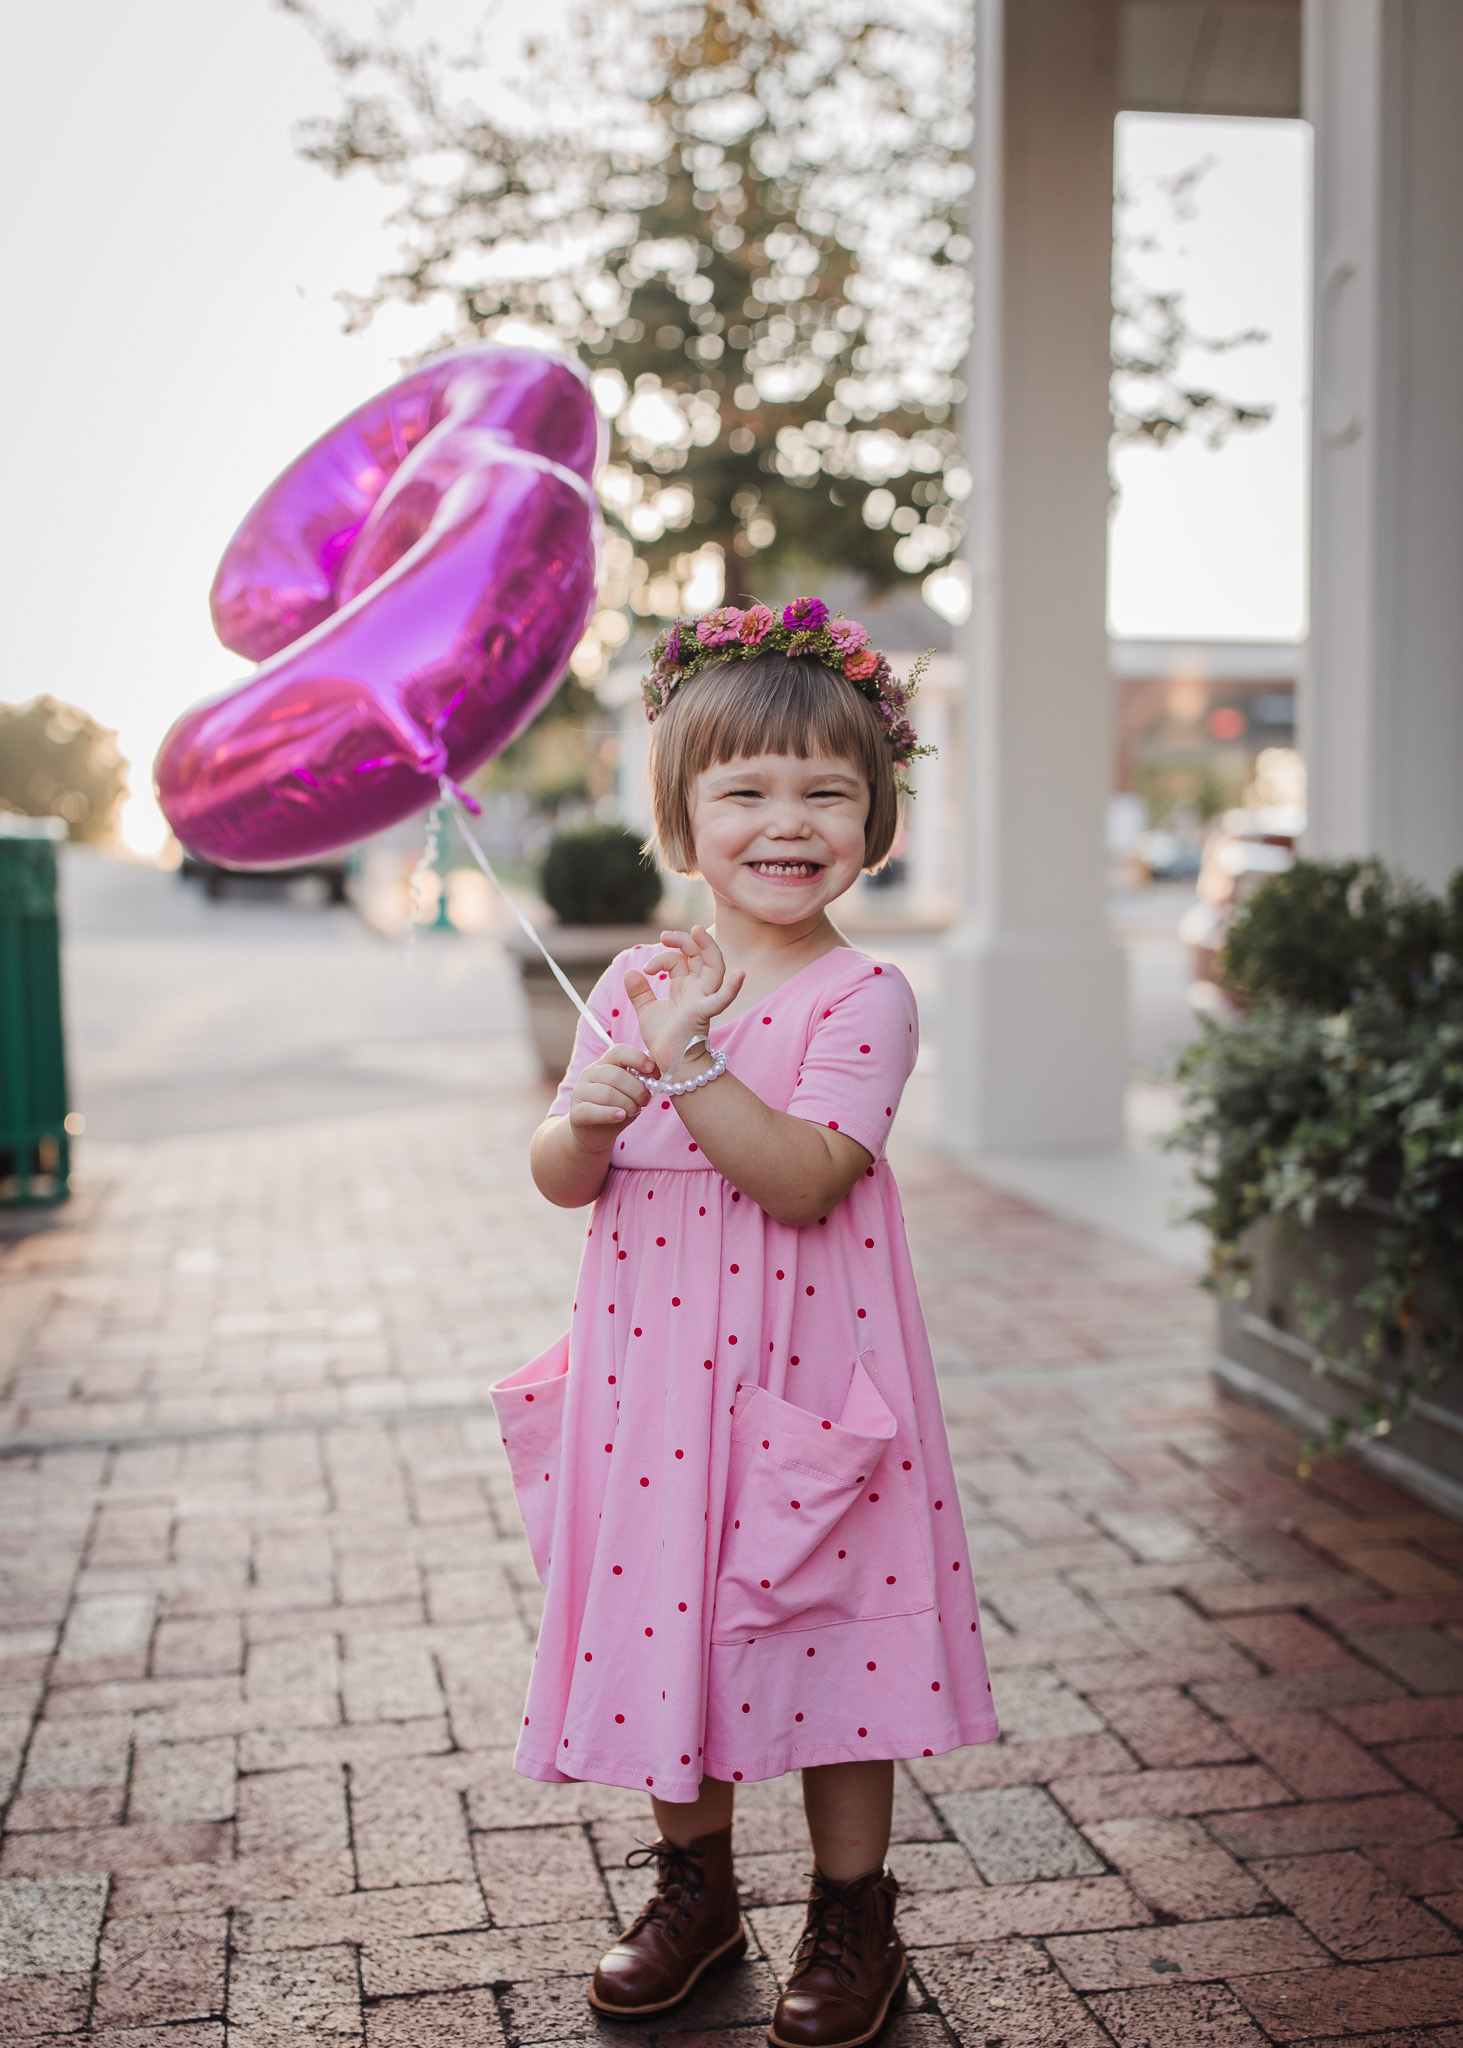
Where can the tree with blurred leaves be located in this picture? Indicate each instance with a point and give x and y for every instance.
(56, 762)
(745, 215)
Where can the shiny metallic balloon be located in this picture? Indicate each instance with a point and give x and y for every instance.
(413, 586)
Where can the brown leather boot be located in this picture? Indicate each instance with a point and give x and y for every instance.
(848, 1971)
(690, 1926)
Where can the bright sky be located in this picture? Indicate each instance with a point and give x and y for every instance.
(172, 341)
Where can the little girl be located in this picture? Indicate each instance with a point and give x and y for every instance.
(734, 1471)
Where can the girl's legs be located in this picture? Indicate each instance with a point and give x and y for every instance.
(850, 1809)
(707, 1815)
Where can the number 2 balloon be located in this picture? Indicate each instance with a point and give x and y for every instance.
(412, 587)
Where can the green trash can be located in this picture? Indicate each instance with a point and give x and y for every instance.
(34, 1162)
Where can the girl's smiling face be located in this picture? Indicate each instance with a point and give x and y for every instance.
(780, 838)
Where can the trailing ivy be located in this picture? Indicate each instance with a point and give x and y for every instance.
(1339, 1085)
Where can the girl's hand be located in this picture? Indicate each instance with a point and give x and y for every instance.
(700, 989)
(609, 1095)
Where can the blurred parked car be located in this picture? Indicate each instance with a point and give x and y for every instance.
(333, 870)
(1241, 849)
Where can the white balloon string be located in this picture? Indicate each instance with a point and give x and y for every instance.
(452, 796)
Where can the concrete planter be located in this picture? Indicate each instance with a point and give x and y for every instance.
(584, 951)
(1264, 1358)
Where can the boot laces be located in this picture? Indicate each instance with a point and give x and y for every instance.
(679, 1881)
(832, 1937)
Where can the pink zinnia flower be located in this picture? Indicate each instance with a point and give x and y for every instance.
(859, 667)
(804, 614)
(719, 628)
(756, 622)
(848, 636)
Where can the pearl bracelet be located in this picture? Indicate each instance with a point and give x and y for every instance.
(713, 1073)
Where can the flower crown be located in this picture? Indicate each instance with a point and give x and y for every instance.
(804, 628)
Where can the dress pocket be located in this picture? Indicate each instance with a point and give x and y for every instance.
(819, 1525)
(530, 1409)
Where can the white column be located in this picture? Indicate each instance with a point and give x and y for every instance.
(1381, 708)
(1033, 1043)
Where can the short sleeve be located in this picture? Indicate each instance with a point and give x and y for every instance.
(861, 1051)
(606, 1000)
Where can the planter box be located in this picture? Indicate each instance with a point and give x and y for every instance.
(1264, 1356)
(584, 951)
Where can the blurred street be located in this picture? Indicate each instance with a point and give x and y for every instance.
(268, 1610)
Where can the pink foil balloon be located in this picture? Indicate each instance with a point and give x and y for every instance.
(413, 586)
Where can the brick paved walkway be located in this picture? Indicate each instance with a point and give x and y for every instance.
(267, 1619)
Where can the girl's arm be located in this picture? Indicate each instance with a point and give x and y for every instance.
(570, 1155)
(797, 1171)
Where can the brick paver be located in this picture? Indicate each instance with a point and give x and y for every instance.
(267, 1618)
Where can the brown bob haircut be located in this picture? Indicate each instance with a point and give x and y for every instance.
(773, 704)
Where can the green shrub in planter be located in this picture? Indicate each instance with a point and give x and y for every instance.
(597, 874)
(1340, 1086)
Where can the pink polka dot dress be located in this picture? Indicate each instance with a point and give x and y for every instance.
(733, 1470)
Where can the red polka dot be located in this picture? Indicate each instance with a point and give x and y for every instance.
(929, 1752)
(650, 1781)
(566, 1742)
(832, 1127)
(907, 1466)
(766, 1585)
(682, 1605)
(660, 1240)
(609, 1447)
(955, 1567)
(746, 1706)
(873, 1667)
(797, 1717)
(812, 1653)
(611, 1379)
(528, 1397)
(766, 1444)
(639, 1332)
(706, 1362)
(737, 1776)
(889, 1582)
(695, 1148)
(686, 1759)
(736, 1269)
(736, 1194)
(863, 1048)
(935, 1685)
(732, 1340)
(675, 1301)
(842, 1553)
(795, 1503)
(667, 1103)
(868, 1244)
(888, 1112)
(873, 1496)
(828, 1425)
(794, 1360)
(827, 1013)
(650, 1631)
(878, 970)
(939, 1503)
(766, 1020)
(863, 1731)
(624, 1255)
(863, 1312)
(807, 1290)
(589, 1659)
(645, 1482)
(650, 1194)
(617, 1569)
(680, 1454)
(612, 1308)
(973, 1628)
(780, 1274)
(619, 1717)
(868, 1170)
(701, 1211)
(614, 1013)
